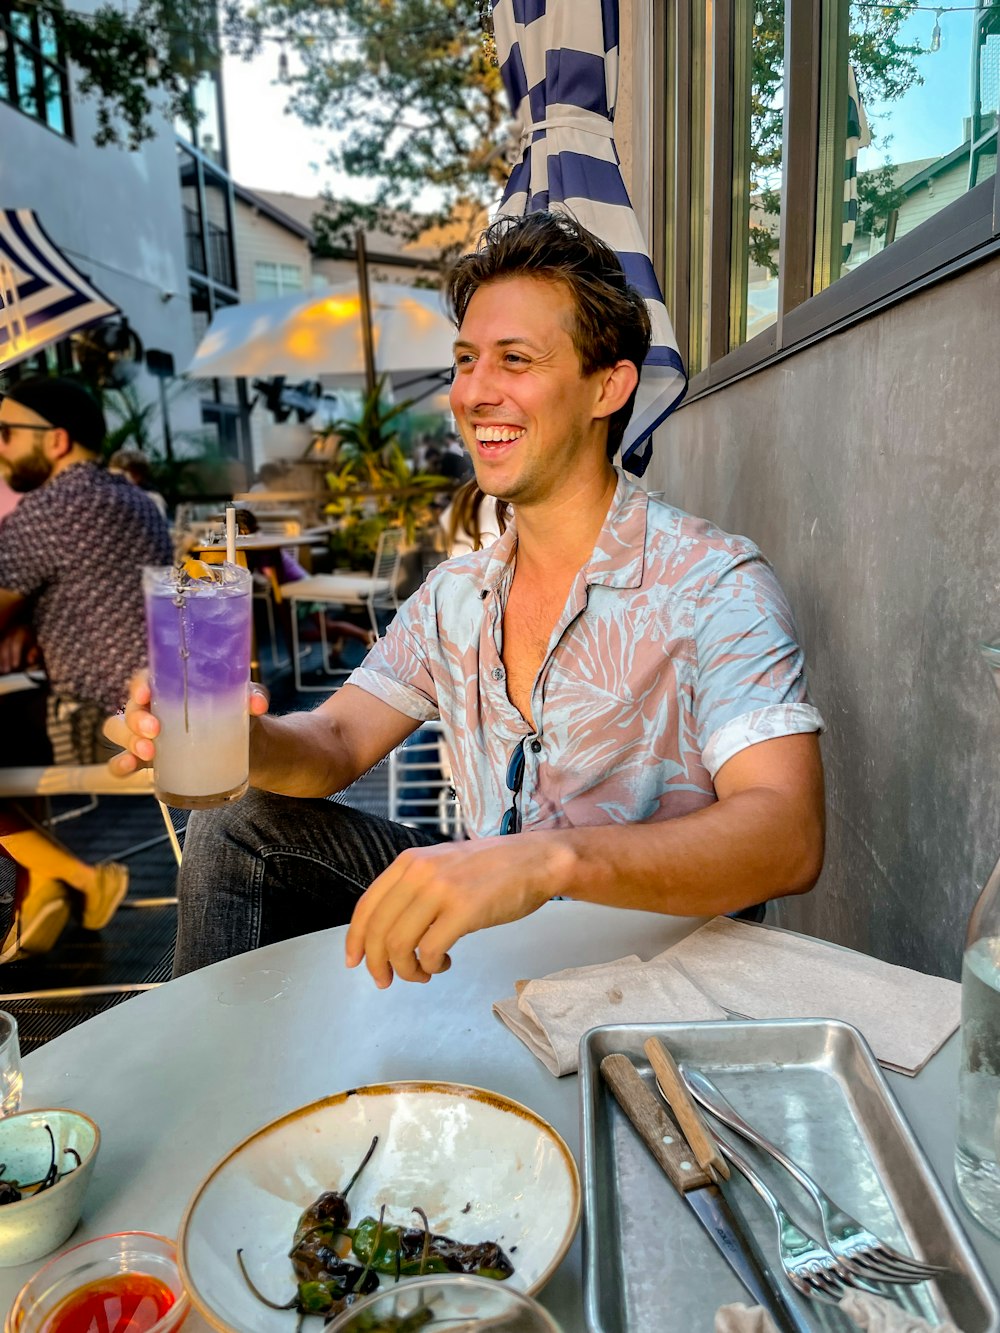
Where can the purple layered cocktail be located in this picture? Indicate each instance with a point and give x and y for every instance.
(199, 669)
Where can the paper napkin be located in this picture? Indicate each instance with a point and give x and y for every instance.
(552, 1014)
(904, 1015)
(753, 970)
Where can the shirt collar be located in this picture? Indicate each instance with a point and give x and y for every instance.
(619, 554)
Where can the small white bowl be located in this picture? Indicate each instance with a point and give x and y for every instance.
(38, 1224)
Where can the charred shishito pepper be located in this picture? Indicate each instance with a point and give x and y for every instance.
(12, 1191)
(411, 1250)
(331, 1212)
(327, 1283)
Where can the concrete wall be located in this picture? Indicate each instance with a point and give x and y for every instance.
(117, 215)
(867, 468)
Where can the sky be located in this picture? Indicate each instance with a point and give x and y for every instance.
(268, 149)
(929, 120)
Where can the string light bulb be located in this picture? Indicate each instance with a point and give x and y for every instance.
(936, 32)
(284, 73)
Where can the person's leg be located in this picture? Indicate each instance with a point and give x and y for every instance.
(103, 886)
(268, 868)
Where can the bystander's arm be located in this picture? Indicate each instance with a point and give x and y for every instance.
(11, 609)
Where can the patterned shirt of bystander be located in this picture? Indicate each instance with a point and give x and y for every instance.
(676, 650)
(74, 548)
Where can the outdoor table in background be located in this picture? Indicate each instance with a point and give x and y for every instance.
(178, 1076)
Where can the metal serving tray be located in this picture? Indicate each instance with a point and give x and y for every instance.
(815, 1089)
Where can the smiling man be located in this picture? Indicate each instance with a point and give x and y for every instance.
(621, 690)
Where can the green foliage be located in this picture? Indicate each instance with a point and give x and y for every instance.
(372, 487)
(125, 56)
(885, 69)
(413, 88)
(129, 420)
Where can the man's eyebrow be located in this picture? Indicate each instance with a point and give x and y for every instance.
(520, 340)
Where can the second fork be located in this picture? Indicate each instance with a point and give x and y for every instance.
(857, 1248)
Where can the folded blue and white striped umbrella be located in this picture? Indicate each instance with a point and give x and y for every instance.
(559, 64)
(43, 297)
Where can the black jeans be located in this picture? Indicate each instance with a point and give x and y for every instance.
(268, 868)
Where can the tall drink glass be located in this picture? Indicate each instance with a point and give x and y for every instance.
(199, 672)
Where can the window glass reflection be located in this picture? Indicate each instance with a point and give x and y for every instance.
(759, 275)
(923, 96)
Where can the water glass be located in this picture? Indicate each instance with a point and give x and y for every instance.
(459, 1302)
(11, 1078)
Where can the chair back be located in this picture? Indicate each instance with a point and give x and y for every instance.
(388, 565)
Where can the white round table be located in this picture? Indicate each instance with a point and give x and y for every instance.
(177, 1076)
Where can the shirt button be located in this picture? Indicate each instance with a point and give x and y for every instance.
(497, 673)
(536, 746)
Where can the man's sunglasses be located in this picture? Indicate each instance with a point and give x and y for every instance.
(7, 429)
(511, 822)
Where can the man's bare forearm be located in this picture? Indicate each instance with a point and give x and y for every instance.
(730, 855)
(322, 752)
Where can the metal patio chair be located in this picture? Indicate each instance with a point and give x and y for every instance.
(376, 592)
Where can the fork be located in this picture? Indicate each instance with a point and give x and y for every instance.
(812, 1270)
(858, 1249)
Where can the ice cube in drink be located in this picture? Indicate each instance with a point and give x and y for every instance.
(199, 665)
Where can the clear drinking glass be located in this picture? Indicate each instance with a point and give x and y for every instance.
(11, 1078)
(199, 669)
(453, 1301)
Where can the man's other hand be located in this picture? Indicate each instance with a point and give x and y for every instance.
(136, 729)
(430, 897)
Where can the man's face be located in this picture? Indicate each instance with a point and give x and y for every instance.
(525, 409)
(24, 463)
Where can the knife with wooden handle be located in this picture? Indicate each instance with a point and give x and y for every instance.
(654, 1125)
(689, 1117)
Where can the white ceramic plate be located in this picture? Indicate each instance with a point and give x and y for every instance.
(481, 1166)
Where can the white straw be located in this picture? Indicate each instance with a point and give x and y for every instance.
(231, 533)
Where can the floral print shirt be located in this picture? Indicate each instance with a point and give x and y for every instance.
(676, 649)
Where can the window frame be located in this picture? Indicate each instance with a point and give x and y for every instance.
(41, 62)
(810, 307)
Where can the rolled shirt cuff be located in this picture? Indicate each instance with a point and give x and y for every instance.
(404, 698)
(763, 724)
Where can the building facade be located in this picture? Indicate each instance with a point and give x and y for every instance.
(854, 435)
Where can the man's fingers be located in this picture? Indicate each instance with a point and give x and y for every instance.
(259, 700)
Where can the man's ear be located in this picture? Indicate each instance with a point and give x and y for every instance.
(58, 443)
(617, 386)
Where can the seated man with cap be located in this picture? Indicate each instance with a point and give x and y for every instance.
(71, 556)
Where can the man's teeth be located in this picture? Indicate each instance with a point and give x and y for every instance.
(498, 434)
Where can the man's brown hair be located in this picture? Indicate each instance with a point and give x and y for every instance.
(612, 322)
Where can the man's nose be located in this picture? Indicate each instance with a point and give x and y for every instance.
(476, 384)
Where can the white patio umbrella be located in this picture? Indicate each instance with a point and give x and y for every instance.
(559, 65)
(321, 334)
(43, 296)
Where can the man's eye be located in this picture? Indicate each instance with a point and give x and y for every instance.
(515, 358)
(464, 359)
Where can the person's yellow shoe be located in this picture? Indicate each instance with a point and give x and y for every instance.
(103, 901)
(41, 919)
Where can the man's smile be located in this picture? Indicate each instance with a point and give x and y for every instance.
(498, 434)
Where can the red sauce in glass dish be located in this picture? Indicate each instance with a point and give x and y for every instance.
(121, 1303)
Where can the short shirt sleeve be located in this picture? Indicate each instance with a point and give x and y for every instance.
(751, 683)
(397, 669)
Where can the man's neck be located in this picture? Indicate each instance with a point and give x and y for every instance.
(72, 459)
(560, 534)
